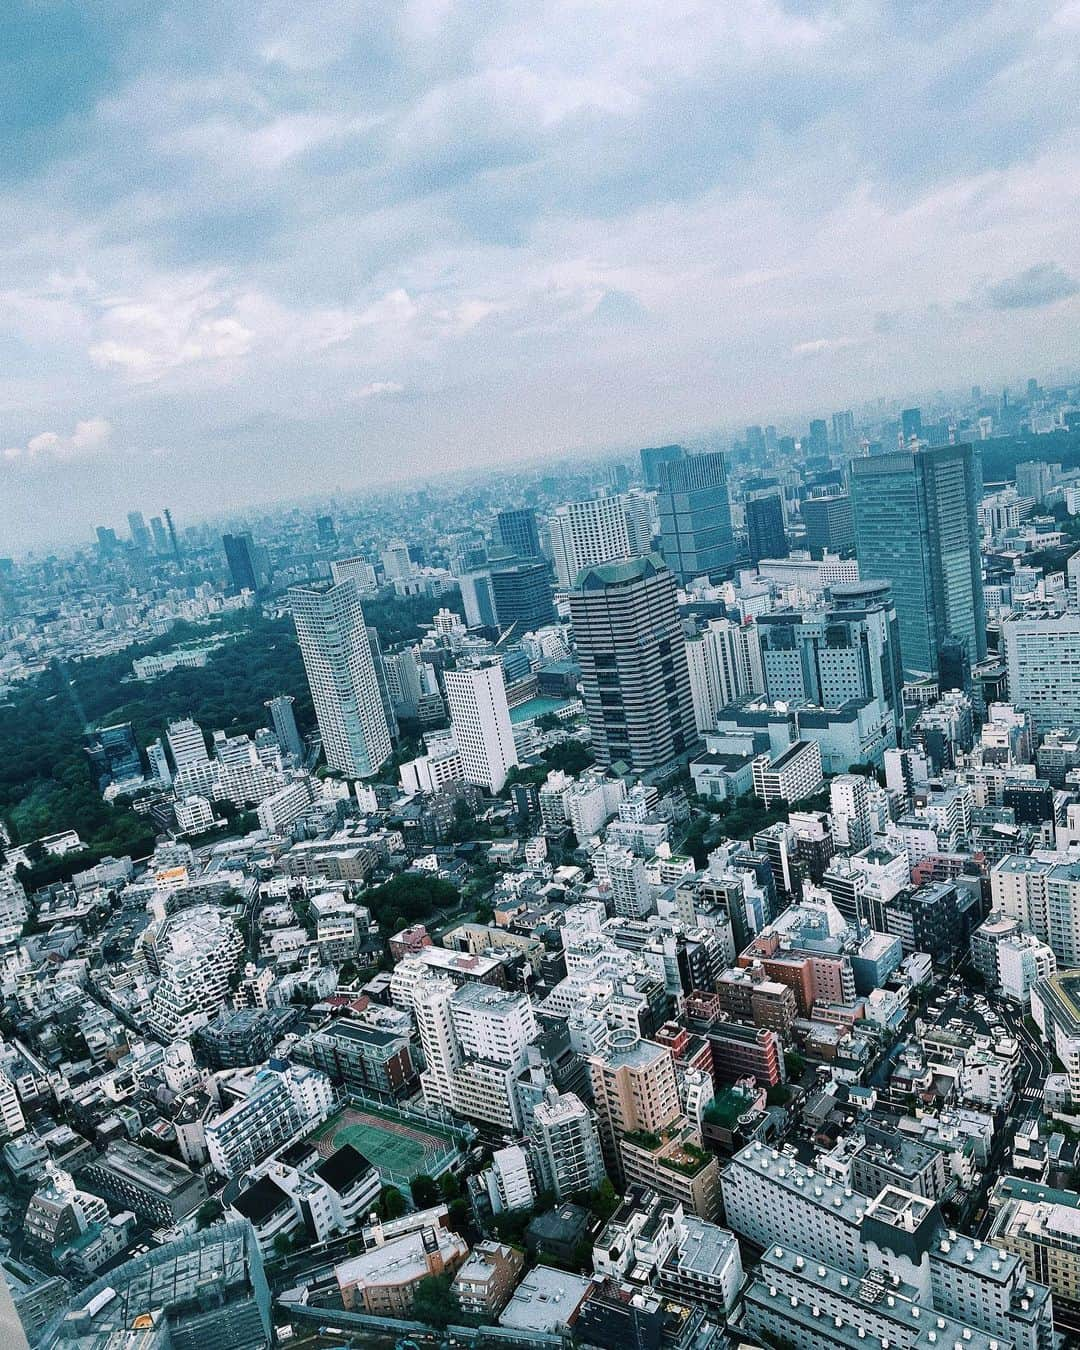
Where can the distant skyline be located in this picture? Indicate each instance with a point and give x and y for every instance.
(252, 253)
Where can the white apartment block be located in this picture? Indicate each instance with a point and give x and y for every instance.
(1042, 657)
(725, 665)
(795, 774)
(281, 1105)
(849, 806)
(567, 1142)
(480, 716)
(186, 743)
(585, 533)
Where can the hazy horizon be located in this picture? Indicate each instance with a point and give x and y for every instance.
(254, 256)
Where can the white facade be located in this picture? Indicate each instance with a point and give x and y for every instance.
(794, 775)
(566, 1137)
(849, 806)
(480, 716)
(194, 815)
(725, 666)
(186, 743)
(340, 668)
(585, 533)
(1022, 960)
(1042, 656)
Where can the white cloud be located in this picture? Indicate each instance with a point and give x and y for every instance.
(377, 387)
(90, 437)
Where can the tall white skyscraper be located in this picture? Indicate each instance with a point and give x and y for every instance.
(849, 805)
(568, 1144)
(187, 743)
(584, 533)
(341, 672)
(725, 665)
(480, 717)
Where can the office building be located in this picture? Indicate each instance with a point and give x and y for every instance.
(765, 533)
(843, 428)
(203, 1292)
(1042, 657)
(794, 774)
(140, 535)
(829, 525)
(840, 1269)
(632, 652)
(113, 753)
(285, 728)
(695, 516)
(161, 539)
(916, 525)
(1041, 1224)
(847, 650)
(158, 1189)
(337, 655)
(911, 425)
(521, 595)
(477, 599)
(816, 444)
(585, 533)
(567, 1144)
(240, 555)
(725, 667)
(355, 569)
(480, 717)
(652, 458)
(517, 532)
(187, 744)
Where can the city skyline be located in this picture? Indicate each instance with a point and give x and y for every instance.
(463, 238)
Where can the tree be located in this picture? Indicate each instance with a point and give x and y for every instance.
(209, 1211)
(425, 1191)
(449, 1186)
(604, 1200)
(283, 1244)
(391, 1204)
(794, 1064)
(435, 1301)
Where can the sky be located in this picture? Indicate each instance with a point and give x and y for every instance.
(252, 251)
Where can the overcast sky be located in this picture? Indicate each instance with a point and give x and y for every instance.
(256, 249)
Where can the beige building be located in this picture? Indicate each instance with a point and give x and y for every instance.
(634, 1091)
(1042, 1225)
(488, 1278)
(675, 1165)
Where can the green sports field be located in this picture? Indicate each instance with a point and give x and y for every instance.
(397, 1148)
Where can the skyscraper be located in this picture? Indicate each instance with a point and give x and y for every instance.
(843, 428)
(522, 594)
(652, 458)
(341, 672)
(583, 533)
(161, 539)
(846, 650)
(829, 528)
(695, 516)
(240, 555)
(817, 442)
(285, 728)
(632, 650)
(140, 535)
(480, 717)
(725, 665)
(517, 531)
(325, 532)
(911, 424)
(174, 544)
(916, 525)
(765, 534)
(187, 743)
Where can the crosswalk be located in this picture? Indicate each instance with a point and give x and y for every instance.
(1032, 1094)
